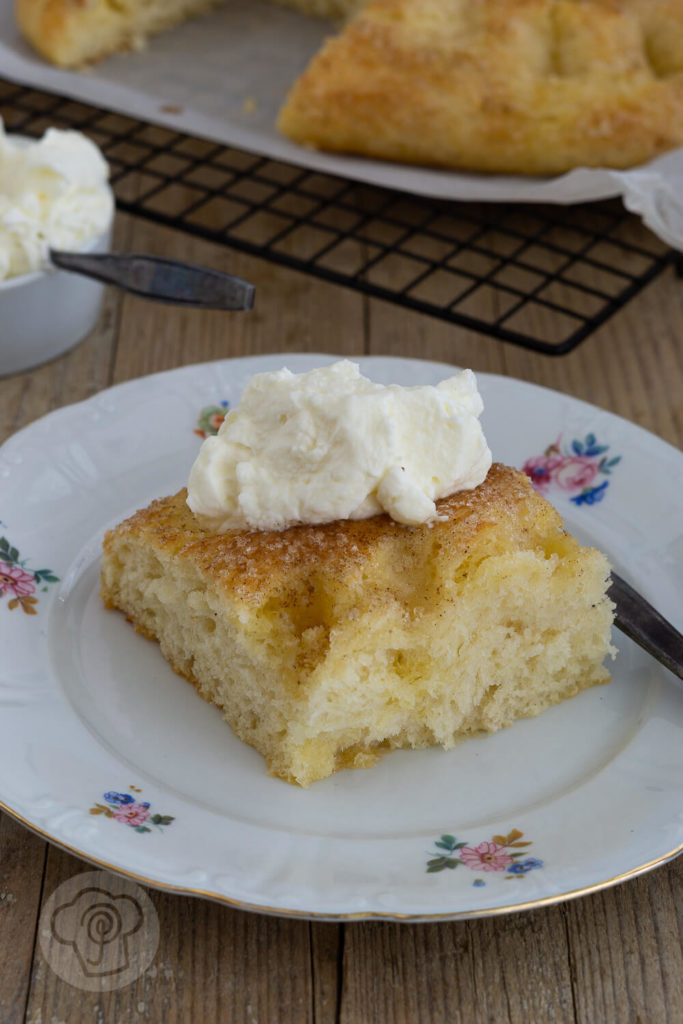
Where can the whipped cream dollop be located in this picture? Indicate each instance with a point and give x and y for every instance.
(53, 193)
(331, 444)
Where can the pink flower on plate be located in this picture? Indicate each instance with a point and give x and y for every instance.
(486, 857)
(575, 472)
(15, 580)
(132, 814)
(540, 468)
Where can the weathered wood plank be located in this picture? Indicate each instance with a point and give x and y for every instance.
(22, 860)
(212, 964)
(632, 365)
(327, 949)
(291, 313)
(627, 953)
(488, 971)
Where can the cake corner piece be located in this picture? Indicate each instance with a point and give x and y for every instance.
(327, 646)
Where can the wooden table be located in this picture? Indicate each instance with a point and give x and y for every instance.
(610, 958)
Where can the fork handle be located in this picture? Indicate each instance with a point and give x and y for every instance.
(641, 622)
(154, 277)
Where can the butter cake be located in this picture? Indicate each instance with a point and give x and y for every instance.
(72, 33)
(326, 646)
(515, 86)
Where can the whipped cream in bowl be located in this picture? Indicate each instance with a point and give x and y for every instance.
(54, 193)
(331, 444)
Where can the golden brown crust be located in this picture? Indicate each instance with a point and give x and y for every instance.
(72, 33)
(515, 86)
(251, 565)
(43, 23)
(511, 86)
(324, 646)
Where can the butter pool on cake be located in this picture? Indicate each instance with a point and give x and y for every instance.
(326, 645)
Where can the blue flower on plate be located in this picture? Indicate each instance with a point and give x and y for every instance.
(119, 798)
(521, 867)
(590, 497)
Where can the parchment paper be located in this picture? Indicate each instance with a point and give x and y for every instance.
(224, 76)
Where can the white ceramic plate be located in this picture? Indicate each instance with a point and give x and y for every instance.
(108, 753)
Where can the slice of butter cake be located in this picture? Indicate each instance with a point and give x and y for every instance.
(325, 646)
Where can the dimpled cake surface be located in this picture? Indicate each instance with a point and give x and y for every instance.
(514, 86)
(507, 86)
(326, 646)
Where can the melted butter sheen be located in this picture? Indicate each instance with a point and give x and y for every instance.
(331, 444)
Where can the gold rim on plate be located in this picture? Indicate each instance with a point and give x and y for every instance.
(361, 915)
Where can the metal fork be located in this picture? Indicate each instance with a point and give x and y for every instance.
(641, 622)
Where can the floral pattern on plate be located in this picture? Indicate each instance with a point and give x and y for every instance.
(579, 819)
(131, 811)
(20, 583)
(576, 469)
(501, 853)
(210, 419)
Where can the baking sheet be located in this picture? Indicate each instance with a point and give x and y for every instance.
(223, 77)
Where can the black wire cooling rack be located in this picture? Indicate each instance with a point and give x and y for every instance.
(543, 277)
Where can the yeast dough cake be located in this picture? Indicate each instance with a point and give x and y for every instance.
(72, 33)
(514, 86)
(326, 646)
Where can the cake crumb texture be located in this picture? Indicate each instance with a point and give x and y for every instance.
(326, 646)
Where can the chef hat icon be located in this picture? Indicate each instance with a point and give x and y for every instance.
(98, 926)
(99, 931)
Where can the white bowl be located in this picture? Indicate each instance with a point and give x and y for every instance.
(45, 313)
